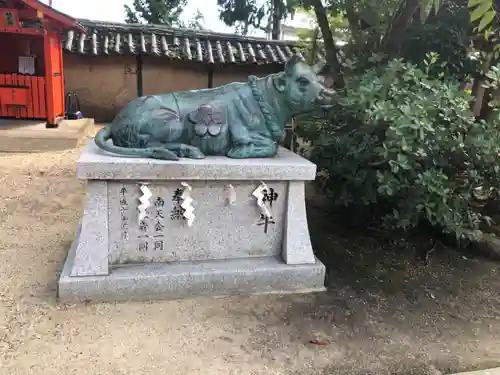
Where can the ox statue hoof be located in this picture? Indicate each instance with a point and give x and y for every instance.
(252, 151)
(191, 152)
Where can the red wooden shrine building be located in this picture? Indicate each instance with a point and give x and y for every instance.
(31, 62)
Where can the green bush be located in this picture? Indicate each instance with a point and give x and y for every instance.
(405, 148)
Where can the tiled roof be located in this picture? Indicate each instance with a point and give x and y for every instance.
(104, 38)
(50, 12)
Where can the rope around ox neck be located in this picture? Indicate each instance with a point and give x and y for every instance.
(277, 132)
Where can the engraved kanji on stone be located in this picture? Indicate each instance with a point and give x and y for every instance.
(143, 226)
(177, 197)
(160, 214)
(123, 214)
(159, 226)
(270, 196)
(265, 221)
(177, 212)
(159, 245)
(159, 202)
(143, 246)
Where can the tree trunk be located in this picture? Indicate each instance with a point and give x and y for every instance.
(401, 20)
(487, 112)
(277, 16)
(476, 103)
(330, 48)
(481, 103)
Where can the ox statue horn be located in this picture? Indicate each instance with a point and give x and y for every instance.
(318, 67)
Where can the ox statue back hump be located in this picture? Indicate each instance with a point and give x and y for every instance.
(238, 120)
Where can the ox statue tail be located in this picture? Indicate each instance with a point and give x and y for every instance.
(103, 135)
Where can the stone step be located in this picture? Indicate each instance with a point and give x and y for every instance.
(33, 136)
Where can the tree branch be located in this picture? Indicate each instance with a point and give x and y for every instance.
(353, 19)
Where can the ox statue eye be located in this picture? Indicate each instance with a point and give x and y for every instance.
(303, 81)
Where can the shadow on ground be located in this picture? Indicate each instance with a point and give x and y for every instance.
(398, 312)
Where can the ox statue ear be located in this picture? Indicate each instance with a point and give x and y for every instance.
(292, 61)
(279, 81)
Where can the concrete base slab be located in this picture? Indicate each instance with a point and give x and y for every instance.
(185, 279)
(33, 136)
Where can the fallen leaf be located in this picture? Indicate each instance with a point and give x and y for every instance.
(319, 342)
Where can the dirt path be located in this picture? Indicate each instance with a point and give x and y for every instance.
(404, 319)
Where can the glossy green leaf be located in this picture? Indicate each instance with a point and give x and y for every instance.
(486, 20)
(425, 10)
(473, 3)
(437, 5)
(480, 11)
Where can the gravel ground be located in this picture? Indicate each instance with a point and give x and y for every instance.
(441, 319)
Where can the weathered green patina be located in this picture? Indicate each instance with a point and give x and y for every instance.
(238, 120)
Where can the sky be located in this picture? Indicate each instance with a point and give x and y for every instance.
(112, 10)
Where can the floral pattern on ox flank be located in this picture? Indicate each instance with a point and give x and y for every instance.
(206, 120)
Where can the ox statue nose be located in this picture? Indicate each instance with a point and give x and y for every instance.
(326, 97)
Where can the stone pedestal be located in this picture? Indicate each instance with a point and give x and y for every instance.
(231, 248)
